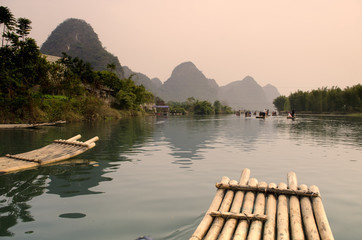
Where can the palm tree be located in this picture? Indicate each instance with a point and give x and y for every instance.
(111, 66)
(6, 18)
(23, 27)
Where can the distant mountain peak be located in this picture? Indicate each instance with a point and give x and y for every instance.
(185, 68)
(187, 64)
(188, 81)
(77, 38)
(249, 79)
(271, 92)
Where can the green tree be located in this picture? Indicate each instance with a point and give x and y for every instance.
(334, 100)
(23, 27)
(131, 96)
(203, 108)
(279, 103)
(126, 99)
(78, 67)
(352, 98)
(111, 67)
(8, 21)
(217, 107)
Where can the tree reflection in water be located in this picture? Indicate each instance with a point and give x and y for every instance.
(72, 178)
(15, 191)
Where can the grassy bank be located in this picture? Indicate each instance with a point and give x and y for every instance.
(53, 108)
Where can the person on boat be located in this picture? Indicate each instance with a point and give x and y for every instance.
(293, 112)
(289, 115)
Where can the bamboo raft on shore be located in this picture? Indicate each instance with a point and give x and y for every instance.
(30, 125)
(57, 151)
(249, 209)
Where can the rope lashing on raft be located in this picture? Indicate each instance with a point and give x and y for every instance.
(277, 191)
(23, 158)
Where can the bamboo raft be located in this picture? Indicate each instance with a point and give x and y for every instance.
(33, 125)
(249, 209)
(57, 151)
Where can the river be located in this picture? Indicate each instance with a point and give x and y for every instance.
(156, 176)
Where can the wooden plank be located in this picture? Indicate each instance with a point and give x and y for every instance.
(207, 220)
(230, 224)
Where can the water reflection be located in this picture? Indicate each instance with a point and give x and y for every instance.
(141, 188)
(15, 191)
(187, 137)
(70, 181)
(71, 178)
(190, 138)
(326, 129)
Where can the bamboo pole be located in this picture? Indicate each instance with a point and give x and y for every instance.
(207, 220)
(271, 209)
(76, 137)
(321, 217)
(244, 216)
(218, 223)
(267, 190)
(259, 207)
(243, 226)
(282, 217)
(310, 226)
(230, 224)
(294, 210)
(95, 139)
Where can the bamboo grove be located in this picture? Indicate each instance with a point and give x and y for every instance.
(323, 100)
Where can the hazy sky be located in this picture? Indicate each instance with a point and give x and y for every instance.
(290, 44)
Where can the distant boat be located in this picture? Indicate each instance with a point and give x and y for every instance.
(290, 116)
(261, 115)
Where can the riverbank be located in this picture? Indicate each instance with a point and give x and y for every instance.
(83, 108)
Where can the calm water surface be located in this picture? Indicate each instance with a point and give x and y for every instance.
(155, 177)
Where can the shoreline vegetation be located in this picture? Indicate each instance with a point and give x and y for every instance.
(323, 101)
(35, 90)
